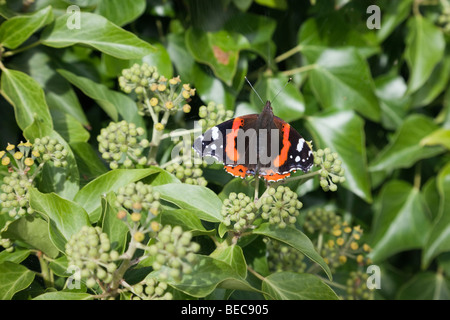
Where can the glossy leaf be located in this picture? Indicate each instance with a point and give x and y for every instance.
(276, 4)
(232, 255)
(33, 232)
(121, 12)
(64, 295)
(13, 278)
(296, 239)
(201, 201)
(97, 32)
(112, 102)
(185, 219)
(296, 286)
(341, 79)
(208, 274)
(66, 218)
(438, 137)
(115, 228)
(18, 29)
(89, 197)
(424, 49)
(27, 98)
(343, 132)
(89, 164)
(219, 50)
(405, 148)
(400, 222)
(438, 238)
(289, 104)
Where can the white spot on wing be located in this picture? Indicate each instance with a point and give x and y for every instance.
(297, 159)
(301, 141)
(214, 133)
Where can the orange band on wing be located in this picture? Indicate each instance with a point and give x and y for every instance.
(276, 177)
(282, 157)
(230, 148)
(238, 171)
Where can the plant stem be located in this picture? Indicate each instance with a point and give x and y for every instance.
(256, 274)
(299, 70)
(288, 53)
(256, 188)
(46, 273)
(13, 52)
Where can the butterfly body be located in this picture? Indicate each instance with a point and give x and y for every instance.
(261, 144)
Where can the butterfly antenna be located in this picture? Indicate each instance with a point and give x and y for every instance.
(290, 79)
(254, 89)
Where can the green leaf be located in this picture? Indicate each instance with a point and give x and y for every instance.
(27, 98)
(296, 286)
(115, 228)
(112, 102)
(405, 148)
(219, 50)
(185, 219)
(400, 223)
(64, 295)
(425, 286)
(425, 46)
(63, 181)
(33, 232)
(394, 13)
(40, 63)
(65, 217)
(289, 104)
(296, 239)
(343, 132)
(275, 4)
(88, 162)
(341, 79)
(18, 29)
(232, 255)
(208, 274)
(17, 256)
(121, 12)
(201, 201)
(438, 137)
(13, 278)
(97, 32)
(438, 238)
(89, 197)
(68, 127)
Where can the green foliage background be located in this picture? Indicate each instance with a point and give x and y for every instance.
(380, 98)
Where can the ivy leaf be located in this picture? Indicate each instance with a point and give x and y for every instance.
(440, 136)
(405, 148)
(400, 222)
(97, 32)
(296, 286)
(116, 230)
(186, 220)
(65, 217)
(289, 104)
(208, 274)
(201, 201)
(232, 255)
(425, 47)
(343, 132)
(296, 239)
(438, 239)
(275, 4)
(89, 197)
(13, 278)
(33, 232)
(18, 29)
(64, 295)
(121, 12)
(219, 50)
(27, 98)
(112, 102)
(341, 79)
(425, 286)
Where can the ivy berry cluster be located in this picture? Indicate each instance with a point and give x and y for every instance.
(122, 143)
(213, 114)
(282, 257)
(151, 289)
(90, 251)
(330, 171)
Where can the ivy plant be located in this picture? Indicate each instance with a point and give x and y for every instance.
(103, 197)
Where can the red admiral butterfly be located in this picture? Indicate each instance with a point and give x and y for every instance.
(243, 145)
